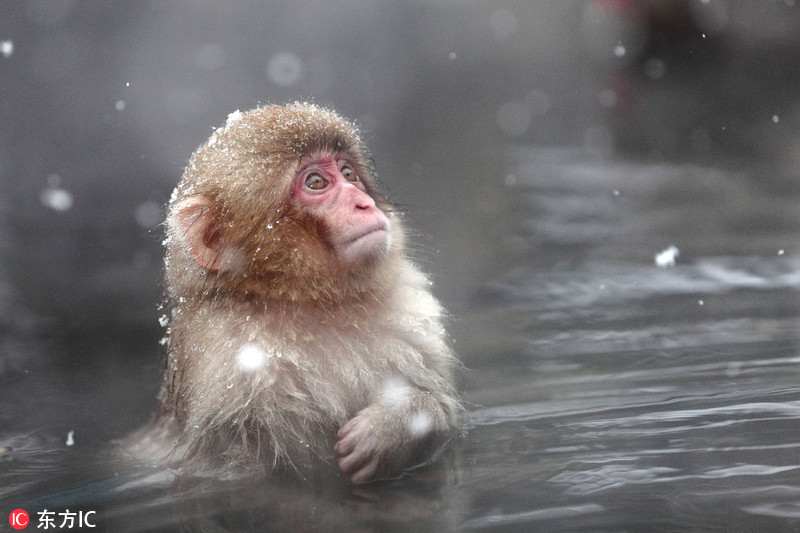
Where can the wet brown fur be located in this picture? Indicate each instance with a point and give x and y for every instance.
(332, 336)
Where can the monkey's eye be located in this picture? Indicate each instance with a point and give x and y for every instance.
(348, 173)
(316, 182)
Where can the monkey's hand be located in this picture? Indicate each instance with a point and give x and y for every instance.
(395, 433)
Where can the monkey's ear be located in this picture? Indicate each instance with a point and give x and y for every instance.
(200, 226)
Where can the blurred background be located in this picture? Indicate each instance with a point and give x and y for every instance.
(102, 104)
(543, 151)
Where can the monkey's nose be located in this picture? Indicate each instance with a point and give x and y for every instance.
(362, 200)
(365, 205)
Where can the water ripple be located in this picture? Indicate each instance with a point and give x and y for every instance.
(614, 476)
(554, 513)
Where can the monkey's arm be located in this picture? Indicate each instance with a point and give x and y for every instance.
(401, 429)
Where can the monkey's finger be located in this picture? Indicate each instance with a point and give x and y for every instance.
(353, 461)
(367, 473)
(344, 446)
(347, 428)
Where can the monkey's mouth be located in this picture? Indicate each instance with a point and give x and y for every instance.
(378, 228)
(366, 244)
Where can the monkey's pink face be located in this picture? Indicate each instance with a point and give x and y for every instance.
(329, 188)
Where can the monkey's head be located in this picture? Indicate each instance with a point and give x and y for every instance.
(281, 201)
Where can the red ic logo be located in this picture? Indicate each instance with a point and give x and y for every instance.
(19, 519)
